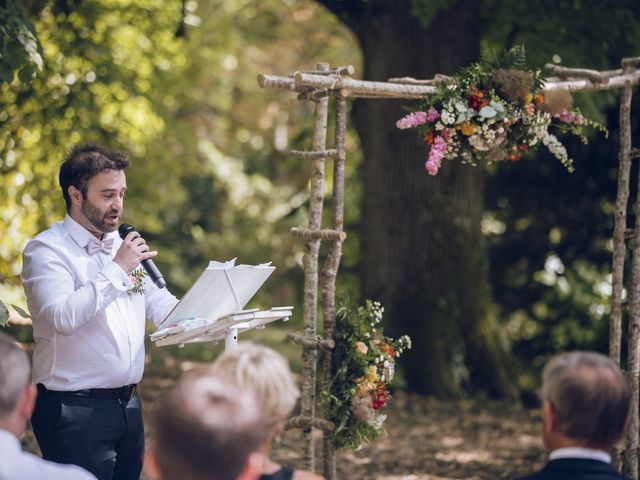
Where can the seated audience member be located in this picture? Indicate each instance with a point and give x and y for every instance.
(585, 407)
(17, 398)
(266, 373)
(207, 429)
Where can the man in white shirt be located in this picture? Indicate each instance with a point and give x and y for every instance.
(585, 408)
(88, 302)
(17, 397)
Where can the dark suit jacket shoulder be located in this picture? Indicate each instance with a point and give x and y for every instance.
(575, 469)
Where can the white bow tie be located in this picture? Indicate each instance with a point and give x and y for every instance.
(94, 246)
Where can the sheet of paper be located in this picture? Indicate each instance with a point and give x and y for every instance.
(222, 288)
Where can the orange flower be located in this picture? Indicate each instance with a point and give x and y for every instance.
(387, 349)
(428, 138)
(539, 99)
(361, 347)
(476, 92)
(466, 128)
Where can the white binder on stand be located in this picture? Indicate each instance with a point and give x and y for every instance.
(213, 308)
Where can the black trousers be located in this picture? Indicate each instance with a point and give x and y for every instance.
(104, 436)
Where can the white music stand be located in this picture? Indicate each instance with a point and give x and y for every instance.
(212, 309)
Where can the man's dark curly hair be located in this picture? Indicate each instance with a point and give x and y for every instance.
(83, 162)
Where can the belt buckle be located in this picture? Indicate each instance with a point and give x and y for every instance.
(128, 392)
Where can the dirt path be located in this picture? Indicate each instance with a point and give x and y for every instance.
(427, 439)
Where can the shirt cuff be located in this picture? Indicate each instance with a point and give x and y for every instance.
(117, 276)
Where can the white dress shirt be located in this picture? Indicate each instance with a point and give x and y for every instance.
(89, 330)
(580, 452)
(16, 464)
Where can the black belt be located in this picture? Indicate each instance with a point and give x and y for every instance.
(125, 393)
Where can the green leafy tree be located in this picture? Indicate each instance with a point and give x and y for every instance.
(178, 91)
(20, 52)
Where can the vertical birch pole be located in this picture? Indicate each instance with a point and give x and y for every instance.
(330, 271)
(633, 363)
(620, 226)
(310, 263)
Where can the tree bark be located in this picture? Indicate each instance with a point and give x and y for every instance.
(422, 249)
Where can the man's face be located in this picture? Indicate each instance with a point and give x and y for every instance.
(103, 205)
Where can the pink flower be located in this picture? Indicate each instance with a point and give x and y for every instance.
(530, 108)
(436, 154)
(432, 115)
(412, 120)
(361, 348)
(569, 117)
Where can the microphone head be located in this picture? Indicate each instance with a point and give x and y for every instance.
(125, 229)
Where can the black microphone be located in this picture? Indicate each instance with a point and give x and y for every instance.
(147, 264)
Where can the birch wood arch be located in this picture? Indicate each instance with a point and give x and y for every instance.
(325, 83)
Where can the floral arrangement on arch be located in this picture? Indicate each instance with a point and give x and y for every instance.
(365, 367)
(495, 110)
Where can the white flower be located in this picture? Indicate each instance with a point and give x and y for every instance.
(377, 421)
(448, 118)
(557, 149)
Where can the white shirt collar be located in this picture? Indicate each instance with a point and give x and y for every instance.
(9, 440)
(80, 234)
(579, 452)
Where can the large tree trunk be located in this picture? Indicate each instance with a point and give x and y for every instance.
(422, 248)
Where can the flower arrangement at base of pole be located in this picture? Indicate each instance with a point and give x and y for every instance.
(495, 110)
(365, 366)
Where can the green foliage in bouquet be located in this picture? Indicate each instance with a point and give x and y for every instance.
(365, 366)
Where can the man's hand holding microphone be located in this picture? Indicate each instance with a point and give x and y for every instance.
(134, 251)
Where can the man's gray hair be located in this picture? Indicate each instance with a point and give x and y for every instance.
(15, 370)
(589, 396)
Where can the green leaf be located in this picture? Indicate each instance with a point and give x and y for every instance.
(4, 314)
(26, 73)
(460, 107)
(22, 312)
(6, 74)
(487, 112)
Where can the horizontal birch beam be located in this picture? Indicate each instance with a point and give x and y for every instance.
(316, 85)
(436, 80)
(310, 422)
(633, 62)
(276, 81)
(347, 70)
(308, 342)
(586, 85)
(312, 154)
(324, 234)
(565, 72)
(358, 88)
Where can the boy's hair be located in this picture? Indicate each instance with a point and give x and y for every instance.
(207, 428)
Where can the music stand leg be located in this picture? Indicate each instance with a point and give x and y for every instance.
(231, 340)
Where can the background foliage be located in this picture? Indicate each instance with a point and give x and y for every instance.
(173, 84)
(210, 178)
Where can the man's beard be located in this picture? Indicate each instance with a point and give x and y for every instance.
(96, 217)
